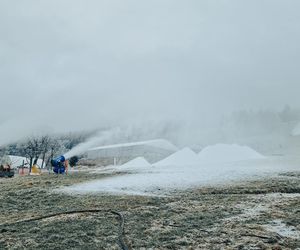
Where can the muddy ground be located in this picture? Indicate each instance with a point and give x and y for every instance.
(262, 214)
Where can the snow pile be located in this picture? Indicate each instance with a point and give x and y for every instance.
(184, 156)
(221, 153)
(137, 163)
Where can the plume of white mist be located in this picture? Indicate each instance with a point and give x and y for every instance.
(19, 128)
(96, 140)
(296, 130)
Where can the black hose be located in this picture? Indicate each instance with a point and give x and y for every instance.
(121, 230)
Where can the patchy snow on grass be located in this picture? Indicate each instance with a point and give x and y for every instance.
(251, 209)
(277, 226)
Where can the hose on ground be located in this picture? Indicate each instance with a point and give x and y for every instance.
(122, 244)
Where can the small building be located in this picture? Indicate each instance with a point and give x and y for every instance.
(152, 151)
(18, 161)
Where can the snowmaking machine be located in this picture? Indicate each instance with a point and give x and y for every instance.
(59, 164)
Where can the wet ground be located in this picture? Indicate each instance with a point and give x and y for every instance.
(262, 214)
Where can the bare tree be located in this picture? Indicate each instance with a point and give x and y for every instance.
(44, 147)
(31, 149)
(45, 143)
(56, 146)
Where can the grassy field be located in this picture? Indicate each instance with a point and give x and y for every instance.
(262, 214)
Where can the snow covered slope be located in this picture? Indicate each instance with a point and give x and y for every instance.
(184, 156)
(222, 153)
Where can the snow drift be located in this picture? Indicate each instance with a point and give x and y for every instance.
(221, 153)
(137, 163)
(184, 156)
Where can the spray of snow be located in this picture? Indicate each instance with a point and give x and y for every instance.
(296, 130)
(104, 137)
(158, 143)
(92, 142)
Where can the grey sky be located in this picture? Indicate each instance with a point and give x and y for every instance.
(122, 61)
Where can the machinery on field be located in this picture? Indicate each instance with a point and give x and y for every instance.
(6, 171)
(60, 165)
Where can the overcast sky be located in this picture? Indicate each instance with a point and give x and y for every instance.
(71, 65)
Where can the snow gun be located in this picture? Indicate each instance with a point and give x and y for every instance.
(58, 165)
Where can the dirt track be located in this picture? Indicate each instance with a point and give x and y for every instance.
(262, 214)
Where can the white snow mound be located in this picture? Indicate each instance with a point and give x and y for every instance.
(139, 162)
(185, 156)
(227, 153)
